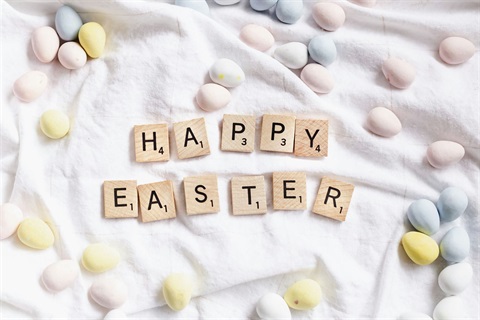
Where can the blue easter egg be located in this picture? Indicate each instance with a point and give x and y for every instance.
(455, 245)
(451, 204)
(262, 5)
(197, 5)
(423, 216)
(289, 11)
(67, 23)
(322, 49)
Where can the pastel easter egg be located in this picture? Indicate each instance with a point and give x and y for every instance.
(414, 316)
(455, 245)
(72, 56)
(399, 73)
(10, 218)
(54, 124)
(317, 78)
(262, 5)
(35, 233)
(272, 306)
(303, 295)
(289, 11)
(423, 216)
(60, 275)
(455, 278)
(116, 314)
(109, 292)
(257, 37)
(197, 5)
(227, 73)
(100, 257)
(420, 248)
(452, 203)
(177, 290)
(328, 15)
(456, 50)
(441, 154)
(212, 97)
(450, 308)
(45, 44)
(92, 37)
(30, 86)
(293, 55)
(365, 3)
(383, 122)
(322, 49)
(68, 22)
(226, 2)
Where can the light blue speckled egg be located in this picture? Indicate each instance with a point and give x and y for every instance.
(289, 11)
(322, 49)
(262, 5)
(198, 5)
(67, 23)
(423, 216)
(455, 245)
(451, 204)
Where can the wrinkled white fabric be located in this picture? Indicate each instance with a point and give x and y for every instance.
(157, 56)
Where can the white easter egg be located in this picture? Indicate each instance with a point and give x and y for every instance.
(72, 56)
(272, 307)
(398, 73)
(450, 308)
(212, 97)
(10, 218)
(227, 73)
(30, 86)
(109, 292)
(329, 16)
(293, 55)
(383, 122)
(257, 37)
(455, 278)
(45, 44)
(317, 78)
(441, 154)
(60, 275)
(456, 50)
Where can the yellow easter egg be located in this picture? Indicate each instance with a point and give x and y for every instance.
(92, 37)
(303, 295)
(420, 248)
(54, 124)
(100, 257)
(177, 290)
(35, 233)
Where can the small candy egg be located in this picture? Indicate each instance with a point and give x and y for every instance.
(10, 218)
(54, 124)
(100, 257)
(455, 245)
(303, 295)
(60, 275)
(383, 122)
(262, 5)
(30, 86)
(293, 55)
(365, 3)
(72, 56)
(177, 290)
(289, 11)
(212, 97)
(226, 2)
(272, 306)
(45, 44)
(452, 203)
(423, 216)
(322, 49)
(420, 248)
(414, 316)
(67, 23)
(317, 78)
(35, 233)
(398, 73)
(329, 16)
(92, 37)
(116, 314)
(257, 37)
(456, 50)
(227, 73)
(450, 308)
(197, 5)
(109, 292)
(455, 278)
(441, 154)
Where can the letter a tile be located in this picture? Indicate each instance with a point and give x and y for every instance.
(191, 138)
(156, 201)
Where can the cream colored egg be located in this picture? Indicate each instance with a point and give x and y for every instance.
(177, 290)
(35, 233)
(212, 97)
(10, 218)
(441, 154)
(92, 37)
(398, 73)
(54, 124)
(383, 122)
(272, 307)
(450, 308)
(303, 295)
(456, 50)
(30, 86)
(109, 292)
(100, 257)
(45, 44)
(329, 16)
(72, 56)
(257, 37)
(293, 55)
(455, 278)
(317, 78)
(60, 275)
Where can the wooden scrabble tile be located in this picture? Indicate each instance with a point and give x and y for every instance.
(156, 201)
(289, 191)
(248, 195)
(333, 199)
(151, 143)
(311, 138)
(191, 138)
(278, 133)
(238, 133)
(201, 194)
(120, 199)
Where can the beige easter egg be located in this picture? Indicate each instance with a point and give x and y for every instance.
(329, 16)
(441, 154)
(383, 122)
(317, 78)
(72, 56)
(45, 44)
(399, 73)
(257, 37)
(30, 86)
(456, 50)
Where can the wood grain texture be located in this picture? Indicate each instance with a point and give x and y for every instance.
(333, 199)
(120, 199)
(238, 133)
(311, 138)
(278, 133)
(289, 190)
(157, 201)
(151, 143)
(201, 194)
(248, 195)
(191, 138)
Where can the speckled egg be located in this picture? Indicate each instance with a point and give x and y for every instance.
(322, 49)
(289, 11)
(10, 218)
(317, 78)
(383, 122)
(262, 5)
(456, 50)
(329, 16)
(212, 97)
(455, 278)
(293, 55)
(30, 86)
(227, 73)
(441, 154)
(450, 308)
(45, 44)
(257, 37)
(67, 22)
(452, 203)
(398, 73)
(72, 56)
(455, 245)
